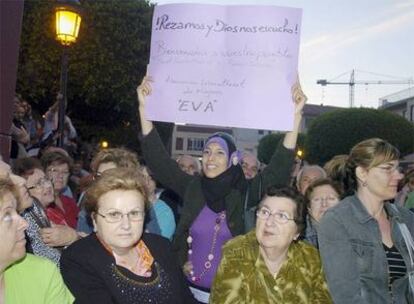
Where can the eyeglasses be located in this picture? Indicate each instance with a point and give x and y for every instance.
(280, 217)
(117, 216)
(56, 172)
(44, 182)
(328, 200)
(390, 169)
(97, 175)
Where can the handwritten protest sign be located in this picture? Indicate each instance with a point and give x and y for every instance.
(224, 65)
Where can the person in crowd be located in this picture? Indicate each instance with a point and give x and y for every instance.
(334, 169)
(160, 219)
(250, 164)
(104, 160)
(119, 263)
(20, 136)
(51, 123)
(63, 211)
(307, 175)
(20, 183)
(189, 164)
(321, 195)
(24, 278)
(78, 172)
(405, 196)
(213, 203)
(32, 126)
(67, 190)
(365, 242)
(269, 264)
(41, 191)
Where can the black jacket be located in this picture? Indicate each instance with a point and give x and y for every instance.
(92, 276)
(188, 187)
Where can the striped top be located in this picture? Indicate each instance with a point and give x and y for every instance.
(396, 265)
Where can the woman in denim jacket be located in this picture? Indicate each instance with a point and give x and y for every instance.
(362, 244)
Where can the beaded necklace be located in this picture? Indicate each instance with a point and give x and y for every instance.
(210, 257)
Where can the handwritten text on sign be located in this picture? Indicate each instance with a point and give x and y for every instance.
(224, 65)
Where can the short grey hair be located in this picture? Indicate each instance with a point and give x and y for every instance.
(309, 167)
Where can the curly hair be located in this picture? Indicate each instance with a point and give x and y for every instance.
(295, 196)
(121, 157)
(25, 166)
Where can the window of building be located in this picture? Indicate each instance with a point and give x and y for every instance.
(404, 114)
(195, 144)
(179, 143)
(412, 113)
(261, 132)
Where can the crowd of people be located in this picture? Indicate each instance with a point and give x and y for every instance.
(128, 228)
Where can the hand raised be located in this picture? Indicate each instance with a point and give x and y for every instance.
(299, 98)
(143, 90)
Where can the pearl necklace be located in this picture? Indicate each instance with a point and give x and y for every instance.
(210, 257)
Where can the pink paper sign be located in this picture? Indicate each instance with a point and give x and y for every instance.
(224, 65)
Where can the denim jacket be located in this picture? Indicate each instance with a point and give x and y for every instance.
(353, 257)
(311, 232)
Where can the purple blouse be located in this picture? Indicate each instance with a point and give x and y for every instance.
(207, 227)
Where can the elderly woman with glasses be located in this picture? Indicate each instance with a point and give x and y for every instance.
(104, 160)
(64, 210)
(366, 242)
(47, 233)
(320, 195)
(270, 265)
(119, 263)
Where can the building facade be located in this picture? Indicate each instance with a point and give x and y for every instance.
(400, 103)
(190, 139)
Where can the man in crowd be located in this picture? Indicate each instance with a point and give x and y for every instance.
(189, 164)
(250, 164)
(307, 175)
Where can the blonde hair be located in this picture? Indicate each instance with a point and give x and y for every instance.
(368, 154)
(121, 157)
(335, 165)
(115, 179)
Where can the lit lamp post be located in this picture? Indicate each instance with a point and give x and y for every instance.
(68, 22)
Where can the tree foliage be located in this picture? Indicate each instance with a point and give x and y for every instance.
(268, 144)
(105, 64)
(337, 132)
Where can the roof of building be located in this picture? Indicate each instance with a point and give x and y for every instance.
(316, 110)
(397, 104)
(202, 129)
(398, 97)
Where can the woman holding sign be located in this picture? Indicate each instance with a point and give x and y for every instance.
(214, 203)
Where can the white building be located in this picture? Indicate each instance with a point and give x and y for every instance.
(190, 139)
(401, 103)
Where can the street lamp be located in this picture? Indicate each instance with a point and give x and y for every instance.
(68, 20)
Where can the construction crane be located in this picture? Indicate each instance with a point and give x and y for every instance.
(351, 83)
